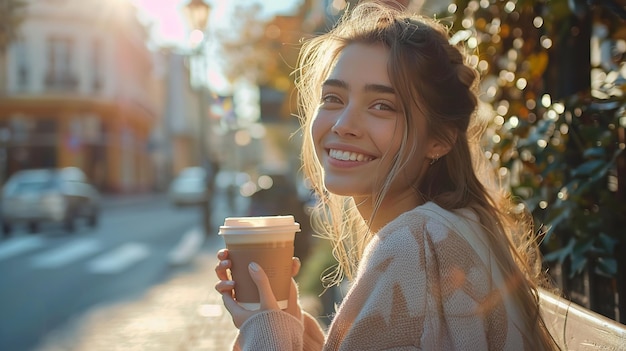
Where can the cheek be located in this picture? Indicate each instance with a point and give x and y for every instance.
(389, 139)
(320, 126)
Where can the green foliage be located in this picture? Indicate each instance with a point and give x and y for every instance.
(571, 182)
(559, 123)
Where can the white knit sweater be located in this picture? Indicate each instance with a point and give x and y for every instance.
(427, 281)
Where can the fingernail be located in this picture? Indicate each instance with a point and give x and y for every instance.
(254, 267)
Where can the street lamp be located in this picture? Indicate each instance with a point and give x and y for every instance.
(197, 13)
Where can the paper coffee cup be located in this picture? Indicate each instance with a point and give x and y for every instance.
(268, 241)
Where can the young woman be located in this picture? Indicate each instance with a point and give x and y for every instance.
(438, 257)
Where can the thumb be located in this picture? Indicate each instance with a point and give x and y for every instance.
(266, 295)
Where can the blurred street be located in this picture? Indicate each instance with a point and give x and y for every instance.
(182, 313)
(142, 280)
(109, 94)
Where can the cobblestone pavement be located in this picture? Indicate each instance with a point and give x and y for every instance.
(184, 313)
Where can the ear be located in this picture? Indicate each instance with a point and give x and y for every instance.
(438, 148)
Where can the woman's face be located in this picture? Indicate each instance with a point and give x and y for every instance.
(359, 127)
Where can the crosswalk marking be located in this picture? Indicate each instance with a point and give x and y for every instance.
(119, 259)
(66, 254)
(19, 245)
(95, 256)
(187, 247)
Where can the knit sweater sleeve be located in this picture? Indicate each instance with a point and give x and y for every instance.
(278, 330)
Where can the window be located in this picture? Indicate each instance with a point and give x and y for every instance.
(21, 56)
(59, 75)
(96, 60)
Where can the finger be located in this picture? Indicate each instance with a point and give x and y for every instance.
(225, 286)
(237, 313)
(266, 295)
(221, 269)
(226, 289)
(295, 266)
(222, 254)
(229, 302)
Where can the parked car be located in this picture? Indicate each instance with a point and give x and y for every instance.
(49, 195)
(190, 187)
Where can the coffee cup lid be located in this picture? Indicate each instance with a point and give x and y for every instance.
(261, 223)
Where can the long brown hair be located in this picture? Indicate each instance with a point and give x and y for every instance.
(434, 80)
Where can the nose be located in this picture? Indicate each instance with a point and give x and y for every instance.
(347, 123)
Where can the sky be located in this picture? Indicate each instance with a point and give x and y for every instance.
(169, 24)
(169, 27)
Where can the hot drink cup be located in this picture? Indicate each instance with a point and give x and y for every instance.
(268, 241)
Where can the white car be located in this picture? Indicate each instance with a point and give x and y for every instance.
(48, 195)
(189, 188)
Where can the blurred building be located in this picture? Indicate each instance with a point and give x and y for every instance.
(81, 91)
(175, 141)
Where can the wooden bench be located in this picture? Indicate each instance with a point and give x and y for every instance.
(577, 328)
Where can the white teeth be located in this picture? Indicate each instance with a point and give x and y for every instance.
(348, 156)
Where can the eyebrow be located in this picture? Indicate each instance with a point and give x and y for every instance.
(377, 88)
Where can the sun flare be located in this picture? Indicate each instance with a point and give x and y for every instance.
(165, 19)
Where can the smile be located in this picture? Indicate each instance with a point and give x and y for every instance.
(348, 156)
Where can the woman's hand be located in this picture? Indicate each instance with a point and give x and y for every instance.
(268, 302)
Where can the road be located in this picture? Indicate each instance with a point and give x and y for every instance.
(49, 278)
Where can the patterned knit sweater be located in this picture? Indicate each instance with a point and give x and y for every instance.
(427, 281)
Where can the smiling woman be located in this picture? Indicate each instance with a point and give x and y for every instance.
(437, 258)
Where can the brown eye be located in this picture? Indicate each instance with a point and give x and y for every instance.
(382, 107)
(330, 98)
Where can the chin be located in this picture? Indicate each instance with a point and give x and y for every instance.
(346, 188)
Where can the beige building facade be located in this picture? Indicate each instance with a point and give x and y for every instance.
(81, 91)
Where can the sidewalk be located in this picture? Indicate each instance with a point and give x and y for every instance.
(184, 313)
